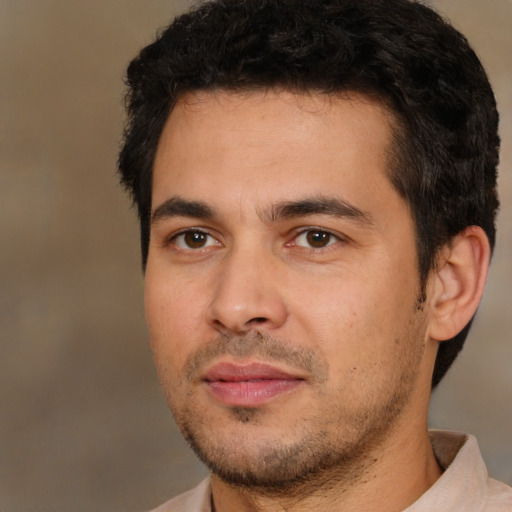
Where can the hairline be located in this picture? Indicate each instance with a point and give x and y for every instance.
(394, 152)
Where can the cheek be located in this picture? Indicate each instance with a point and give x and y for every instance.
(175, 318)
(334, 323)
(354, 323)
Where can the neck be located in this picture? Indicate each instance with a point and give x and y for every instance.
(389, 480)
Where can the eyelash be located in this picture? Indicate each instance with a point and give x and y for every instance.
(192, 231)
(332, 239)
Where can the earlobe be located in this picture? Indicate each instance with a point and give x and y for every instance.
(459, 283)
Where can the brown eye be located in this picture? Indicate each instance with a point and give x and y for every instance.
(315, 238)
(318, 238)
(194, 240)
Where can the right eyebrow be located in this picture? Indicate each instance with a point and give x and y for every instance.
(179, 207)
(319, 205)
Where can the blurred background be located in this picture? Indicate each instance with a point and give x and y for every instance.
(83, 424)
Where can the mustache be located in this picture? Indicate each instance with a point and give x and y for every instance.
(259, 345)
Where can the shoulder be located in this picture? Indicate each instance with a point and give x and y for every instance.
(499, 497)
(464, 485)
(195, 500)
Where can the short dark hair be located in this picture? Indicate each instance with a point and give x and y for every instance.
(445, 149)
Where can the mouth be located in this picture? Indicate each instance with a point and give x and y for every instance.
(249, 385)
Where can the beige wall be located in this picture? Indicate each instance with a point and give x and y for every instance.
(83, 424)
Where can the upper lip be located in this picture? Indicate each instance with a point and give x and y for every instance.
(233, 372)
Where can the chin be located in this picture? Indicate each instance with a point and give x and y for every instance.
(245, 453)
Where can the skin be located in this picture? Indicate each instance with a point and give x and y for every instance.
(328, 295)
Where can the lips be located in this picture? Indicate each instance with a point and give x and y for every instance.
(249, 385)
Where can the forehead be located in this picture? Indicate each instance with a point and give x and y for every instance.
(273, 145)
(274, 105)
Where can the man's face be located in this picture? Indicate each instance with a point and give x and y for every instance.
(282, 285)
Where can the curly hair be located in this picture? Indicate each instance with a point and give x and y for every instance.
(446, 143)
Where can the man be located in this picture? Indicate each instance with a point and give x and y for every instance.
(316, 187)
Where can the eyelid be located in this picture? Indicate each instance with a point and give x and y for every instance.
(304, 230)
(171, 240)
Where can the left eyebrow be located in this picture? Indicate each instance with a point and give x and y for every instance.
(332, 206)
(179, 207)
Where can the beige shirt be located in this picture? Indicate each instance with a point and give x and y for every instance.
(463, 487)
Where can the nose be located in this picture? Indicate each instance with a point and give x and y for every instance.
(248, 294)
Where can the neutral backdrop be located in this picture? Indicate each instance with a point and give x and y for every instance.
(83, 424)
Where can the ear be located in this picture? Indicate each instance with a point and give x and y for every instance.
(458, 282)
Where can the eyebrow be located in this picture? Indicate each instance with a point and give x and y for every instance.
(319, 205)
(179, 207)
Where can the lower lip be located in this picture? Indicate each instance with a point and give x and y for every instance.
(251, 393)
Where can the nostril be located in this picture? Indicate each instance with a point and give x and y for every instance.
(258, 320)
